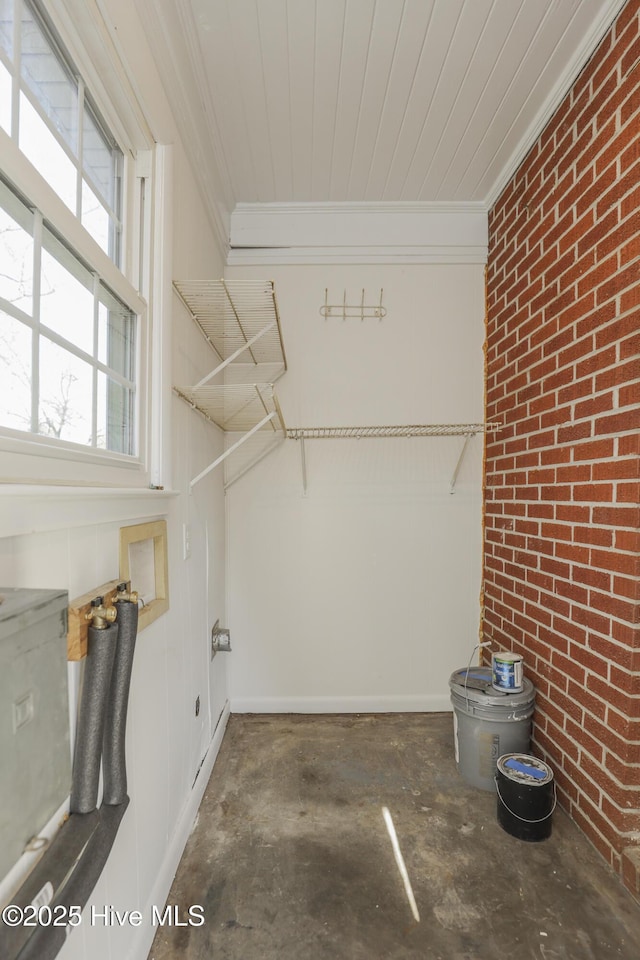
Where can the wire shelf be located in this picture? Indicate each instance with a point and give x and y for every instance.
(235, 407)
(237, 318)
(240, 321)
(406, 430)
(466, 430)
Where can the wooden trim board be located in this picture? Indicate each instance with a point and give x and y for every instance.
(78, 626)
(155, 531)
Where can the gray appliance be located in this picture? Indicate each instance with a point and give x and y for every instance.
(35, 765)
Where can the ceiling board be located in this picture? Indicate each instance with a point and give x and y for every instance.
(333, 101)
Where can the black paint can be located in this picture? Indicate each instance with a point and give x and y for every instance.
(526, 796)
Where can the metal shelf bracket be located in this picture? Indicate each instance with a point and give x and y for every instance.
(234, 446)
(452, 488)
(303, 459)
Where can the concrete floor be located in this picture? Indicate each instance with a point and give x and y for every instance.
(291, 858)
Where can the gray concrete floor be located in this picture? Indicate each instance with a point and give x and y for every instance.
(291, 859)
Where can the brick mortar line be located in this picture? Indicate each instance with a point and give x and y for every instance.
(525, 341)
(499, 264)
(632, 787)
(623, 647)
(619, 785)
(504, 624)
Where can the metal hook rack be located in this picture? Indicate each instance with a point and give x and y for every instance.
(345, 310)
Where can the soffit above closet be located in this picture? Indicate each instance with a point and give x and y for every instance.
(366, 101)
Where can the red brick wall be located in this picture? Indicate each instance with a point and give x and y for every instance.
(562, 536)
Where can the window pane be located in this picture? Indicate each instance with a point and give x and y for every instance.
(15, 373)
(49, 81)
(5, 98)
(66, 305)
(6, 27)
(43, 150)
(102, 166)
(65, 394)
(116, 335)
(115, 416)
(98, 158)
(95, 218)
(16, 251)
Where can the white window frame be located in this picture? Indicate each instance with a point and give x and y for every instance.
(31, 457)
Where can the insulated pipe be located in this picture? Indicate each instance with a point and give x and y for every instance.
(46, 941)
(49, 873)
(95, 690)
(113, 750)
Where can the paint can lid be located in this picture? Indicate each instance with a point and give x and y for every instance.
(525, 769)
(476, 684)
(506, 656)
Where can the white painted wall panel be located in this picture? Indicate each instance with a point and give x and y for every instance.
(302, 70)
(331, 56)
(515, 111)
(439, 227)
(273, 29)
(363, 594)
(358, 24)
(220, 59)
(441, 119)
(244, 35)
(493, 34)
(400, 88)
(382, 49)
(513, 27)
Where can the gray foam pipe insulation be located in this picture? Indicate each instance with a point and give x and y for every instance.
(96, 685)
(74, 861)
(114, 765)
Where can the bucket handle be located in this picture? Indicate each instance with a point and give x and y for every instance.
(524, 819)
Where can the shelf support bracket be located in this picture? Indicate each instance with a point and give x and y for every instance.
(303, 461)
(250, 466)
(467, 437)
(245, 346)
(234, 446)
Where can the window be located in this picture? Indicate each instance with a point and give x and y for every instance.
(67, 343)
(46, 108)
(70, 322)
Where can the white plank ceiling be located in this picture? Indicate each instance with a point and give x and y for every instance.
(368, 100)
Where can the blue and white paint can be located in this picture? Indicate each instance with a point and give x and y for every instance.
(507, 672)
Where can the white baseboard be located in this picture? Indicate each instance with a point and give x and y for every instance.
(141, 945)
(402, 703)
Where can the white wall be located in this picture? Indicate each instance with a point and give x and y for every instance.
(363, 594)
(50, 538)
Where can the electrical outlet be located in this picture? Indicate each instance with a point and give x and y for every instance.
(186, 541)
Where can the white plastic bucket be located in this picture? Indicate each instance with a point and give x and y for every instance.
(487, 724)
